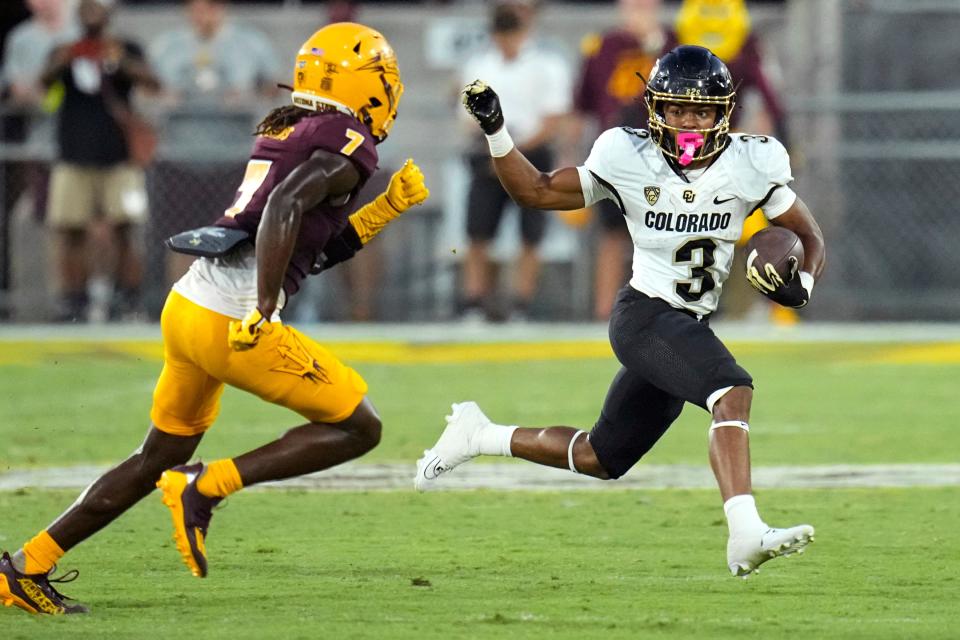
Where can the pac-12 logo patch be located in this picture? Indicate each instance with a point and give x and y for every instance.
(652, 194)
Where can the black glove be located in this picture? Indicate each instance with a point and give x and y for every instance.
(789, 292)
(791, 295)
(483, 104)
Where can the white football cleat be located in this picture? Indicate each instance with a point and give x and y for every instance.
(457, 444)
(745, 554)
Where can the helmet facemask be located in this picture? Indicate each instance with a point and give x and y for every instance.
(378, 115)
(666, 136)
(689, 75)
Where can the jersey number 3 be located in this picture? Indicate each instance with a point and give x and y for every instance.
(699, 255)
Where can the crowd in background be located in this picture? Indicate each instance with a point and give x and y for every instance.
(64, 59)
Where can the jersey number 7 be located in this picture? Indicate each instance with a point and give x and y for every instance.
(253, 177)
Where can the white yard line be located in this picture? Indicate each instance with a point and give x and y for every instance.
(513, 476)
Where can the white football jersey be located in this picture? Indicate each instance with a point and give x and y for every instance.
(684, 228)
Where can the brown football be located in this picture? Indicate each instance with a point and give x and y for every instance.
(776, 245)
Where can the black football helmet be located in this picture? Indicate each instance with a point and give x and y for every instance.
(693, 75)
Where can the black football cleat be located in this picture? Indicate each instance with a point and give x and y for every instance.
(191, 512)
(33, 592)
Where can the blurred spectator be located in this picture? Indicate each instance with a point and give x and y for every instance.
(534, 85)
(93, 175)
(724, 27)
(212, 60)
(26, 48)
(11, 14)
(341, 11)
(609, 93)
(217, 77)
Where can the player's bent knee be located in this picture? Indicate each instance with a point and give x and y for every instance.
(366, 426)
(608, 467)
(583, 459)
(733, 405)
(372, 432)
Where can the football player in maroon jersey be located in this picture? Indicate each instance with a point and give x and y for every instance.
(221, 325)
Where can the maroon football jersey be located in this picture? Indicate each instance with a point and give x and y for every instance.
(274, 157)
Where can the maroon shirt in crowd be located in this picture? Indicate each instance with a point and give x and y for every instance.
(747, 69)
(610, 90)
(334, 132)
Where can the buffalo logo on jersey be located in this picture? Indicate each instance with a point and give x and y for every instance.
(353, 69)
(690, 75)
(652, 194)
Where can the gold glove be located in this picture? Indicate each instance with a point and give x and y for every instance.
(244, 334)
(405, 190)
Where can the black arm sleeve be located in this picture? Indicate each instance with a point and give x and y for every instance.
(341, 248)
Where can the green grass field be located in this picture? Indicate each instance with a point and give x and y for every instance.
(814, 403)
(483, 564)
(612, 564)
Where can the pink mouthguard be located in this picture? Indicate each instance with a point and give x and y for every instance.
(689, 142)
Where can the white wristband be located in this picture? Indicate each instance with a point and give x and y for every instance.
(806, 281)
(500, 143)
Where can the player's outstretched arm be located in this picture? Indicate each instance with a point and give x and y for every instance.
(527, 185)
(322, 175)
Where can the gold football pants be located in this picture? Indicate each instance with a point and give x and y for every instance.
(286, 368)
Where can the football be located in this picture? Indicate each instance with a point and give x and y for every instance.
(776, 245)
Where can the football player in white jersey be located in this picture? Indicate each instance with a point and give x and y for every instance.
(685, 186)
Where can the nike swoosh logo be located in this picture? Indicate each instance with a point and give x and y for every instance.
(433, 469)
(717, 200)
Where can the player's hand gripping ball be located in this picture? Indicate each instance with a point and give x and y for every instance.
(483, 104)
(244, 334)
(407, 187)
(774, 258)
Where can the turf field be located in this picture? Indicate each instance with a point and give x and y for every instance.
(814, 403)
(511, 565)
(479, 564)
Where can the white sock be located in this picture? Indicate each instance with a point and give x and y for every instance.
(495, 440)
(742, 516)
